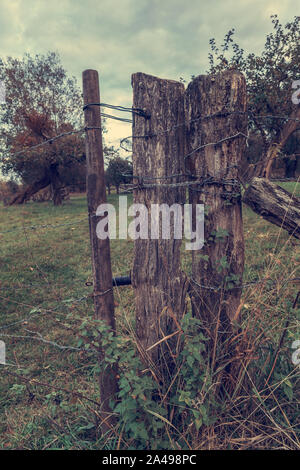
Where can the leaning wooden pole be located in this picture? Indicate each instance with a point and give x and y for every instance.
(160, 285)
(101, 263)
(274, 204)
(217, 127)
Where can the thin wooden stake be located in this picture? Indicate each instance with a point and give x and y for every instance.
(101, 263)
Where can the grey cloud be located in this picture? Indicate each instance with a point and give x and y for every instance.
(168, 38)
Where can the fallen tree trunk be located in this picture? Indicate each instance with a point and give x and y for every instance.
(52, 177)
(28, 192)
(56, 185)
(274, 204)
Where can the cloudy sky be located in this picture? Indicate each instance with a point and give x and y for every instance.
(167, 38)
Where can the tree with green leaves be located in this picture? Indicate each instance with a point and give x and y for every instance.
(119, 171)
(270, 76)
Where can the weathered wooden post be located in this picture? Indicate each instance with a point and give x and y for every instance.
(158, 146)
(218, 125)
(102, 274)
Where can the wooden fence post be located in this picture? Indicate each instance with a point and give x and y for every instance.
(217, 269)
(160, 285)
(101, 263)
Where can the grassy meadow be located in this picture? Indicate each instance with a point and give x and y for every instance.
(48, 392)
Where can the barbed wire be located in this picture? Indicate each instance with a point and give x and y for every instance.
(32, 381)
(273, 116)
(52, 139)
(224, 139)
(230, 182)
(42, 226)
(41, 310)
(110, 116)
(177, 126)
(190, 183)
(38, 310)
(84, 282)
(137, 111)
(202, 118)
(45, 142)
(246, 284)
(143, 113)
(218, 178)
(39, 337)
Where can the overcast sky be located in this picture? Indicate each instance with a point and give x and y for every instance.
(167, 38)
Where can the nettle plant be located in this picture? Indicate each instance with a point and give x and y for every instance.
(151, 412)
